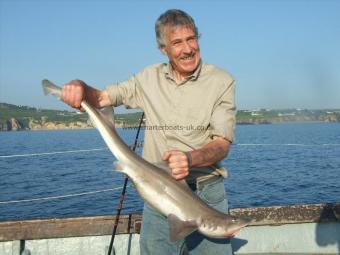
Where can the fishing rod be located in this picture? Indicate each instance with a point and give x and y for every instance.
(122, 196)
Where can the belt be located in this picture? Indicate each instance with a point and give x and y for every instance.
(199, 185)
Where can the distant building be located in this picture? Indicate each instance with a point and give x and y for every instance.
(255, 114)
(286, 114)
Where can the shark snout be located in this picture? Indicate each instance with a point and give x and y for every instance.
(236, 224)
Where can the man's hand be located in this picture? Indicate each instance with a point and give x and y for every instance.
(73, 93)
(178, 163)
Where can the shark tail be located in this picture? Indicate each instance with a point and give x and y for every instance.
(51, 88)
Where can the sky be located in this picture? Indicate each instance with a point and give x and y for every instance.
(283, 54)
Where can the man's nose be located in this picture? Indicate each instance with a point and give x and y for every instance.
(187, 48)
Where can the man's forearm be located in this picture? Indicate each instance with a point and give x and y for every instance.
(210, 153)
(97, 98)
(180, 163)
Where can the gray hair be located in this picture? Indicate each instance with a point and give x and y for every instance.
(173, 18)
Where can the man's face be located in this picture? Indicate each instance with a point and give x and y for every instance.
(182, 49)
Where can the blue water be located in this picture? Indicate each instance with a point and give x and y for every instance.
(268, 165)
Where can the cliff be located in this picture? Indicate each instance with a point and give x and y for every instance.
(16, 118)
(14, 124)
(46, 125)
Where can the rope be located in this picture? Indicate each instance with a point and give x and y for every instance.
(103, 149)
(59, 197)
(50, 153)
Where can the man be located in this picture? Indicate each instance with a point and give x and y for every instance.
(190, 119)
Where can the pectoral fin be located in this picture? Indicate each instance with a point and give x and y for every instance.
(179, 229)
(117, 166)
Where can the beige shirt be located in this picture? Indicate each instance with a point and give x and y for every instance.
(180, 116)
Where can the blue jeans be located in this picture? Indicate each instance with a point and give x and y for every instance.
(154, 238)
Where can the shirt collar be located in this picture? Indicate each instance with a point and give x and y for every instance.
(167, 69)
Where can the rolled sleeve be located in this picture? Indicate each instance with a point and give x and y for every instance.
(223, 118)
(125, 93)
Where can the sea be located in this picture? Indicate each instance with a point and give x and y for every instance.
(68, 173)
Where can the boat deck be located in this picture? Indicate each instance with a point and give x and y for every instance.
(297, 229)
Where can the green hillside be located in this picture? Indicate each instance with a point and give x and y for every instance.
(27, 116)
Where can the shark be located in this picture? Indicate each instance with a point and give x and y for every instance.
(184, 210)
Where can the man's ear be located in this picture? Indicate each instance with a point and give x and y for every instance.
(163, 50)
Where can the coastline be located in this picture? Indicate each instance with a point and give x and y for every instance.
(18, 118)
(120, 126)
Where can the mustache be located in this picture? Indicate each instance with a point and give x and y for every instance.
(191, 54)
